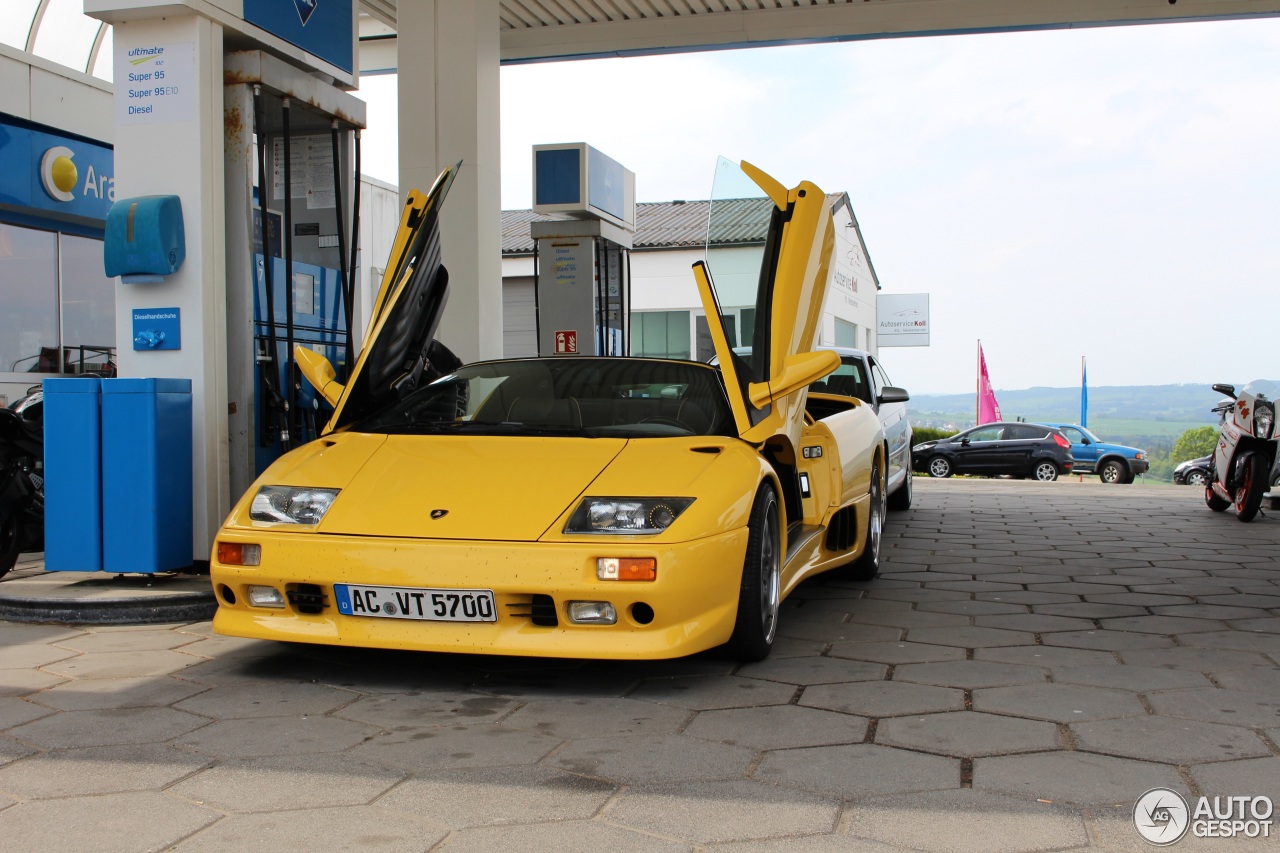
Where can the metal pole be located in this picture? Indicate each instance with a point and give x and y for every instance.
(342, 235)
(291, 396)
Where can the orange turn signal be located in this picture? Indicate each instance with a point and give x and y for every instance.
(239, 554)
(626, 569)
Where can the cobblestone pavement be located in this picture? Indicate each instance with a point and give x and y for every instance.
(1033, 659)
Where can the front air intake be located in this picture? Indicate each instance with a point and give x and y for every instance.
(307, 597)
(538, 609)
(843, 532)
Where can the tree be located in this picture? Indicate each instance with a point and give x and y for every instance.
(1194, 443)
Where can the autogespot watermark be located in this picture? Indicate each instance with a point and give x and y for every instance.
(1164, 817)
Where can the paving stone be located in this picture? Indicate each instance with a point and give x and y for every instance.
(814, 670)
(705, 694)
(1088, 609)
(1250, 600)
(1027, 597)
(1074, 777)
(1198, 659)
(143, 820)
(11, 750)
(424, 708)
(1213, 705)
(101, 693)
(493, 796)
(15, 711)
(794, 647)
(645, 760)
(1267, 644)
(1139, 599)
(1264, 625)
(929, 576)
(912, 619)
(126, 641)
(917, 595)
(1061, 703)
(1038, 623)
(1111, 641)
(882, 698)
(122, 664)
(1167, 740)
(967, 821)
(1072, 587)
(896, 652)
(276, 699)
(1253, 680)
(970, 607)
(1250, 777)
(968, 637)
(577, 836)
(1139, 679)
(15, 634)
(599, 717)
(805, 844)
(108, 727)
(24, 682)
(969, 674)
(349, 828)
(31, 656)
(709, 812)
(778, 727)
(1051, 656)
(98, 770)
(859, 770)
(837, 632)
(1162, 624)
(966, 734)
(283, 782)
(295, 735)
(978, 586)
(1211, 611)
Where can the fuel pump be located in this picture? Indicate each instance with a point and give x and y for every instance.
(292, 232)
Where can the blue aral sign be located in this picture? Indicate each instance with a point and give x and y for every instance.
(323, 28)
(53, 176)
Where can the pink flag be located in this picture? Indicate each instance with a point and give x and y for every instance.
(988, 408)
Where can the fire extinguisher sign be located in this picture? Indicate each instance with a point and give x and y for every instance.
(566, 343)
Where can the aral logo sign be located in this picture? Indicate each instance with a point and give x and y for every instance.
(60, 177)
(51, 175)
(305, 8)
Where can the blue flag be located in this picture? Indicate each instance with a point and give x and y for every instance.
(1084, 394)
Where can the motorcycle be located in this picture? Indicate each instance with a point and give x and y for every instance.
(21, 479)
(1240, 467)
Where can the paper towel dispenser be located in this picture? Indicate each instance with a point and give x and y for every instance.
(144, 238)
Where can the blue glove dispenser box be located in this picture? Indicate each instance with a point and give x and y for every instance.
(72, 475)
(145, 239)
(146, 475)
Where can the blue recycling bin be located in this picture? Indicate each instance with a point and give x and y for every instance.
(146, 475)
(72, 474)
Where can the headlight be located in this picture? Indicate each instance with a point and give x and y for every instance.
(1264, 419)
(1139, 455)
(926, 445)
(626, 515)
(290, 505)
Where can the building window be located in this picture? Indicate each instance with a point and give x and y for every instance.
(846, 333)
(660, 334)
(59, 308)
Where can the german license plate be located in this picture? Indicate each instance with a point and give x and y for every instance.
(406, 602)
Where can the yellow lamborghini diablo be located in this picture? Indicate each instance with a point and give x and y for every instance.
(572, 506)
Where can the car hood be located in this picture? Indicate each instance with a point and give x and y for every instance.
(1122, 449)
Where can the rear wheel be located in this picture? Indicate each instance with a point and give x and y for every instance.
(1113, 472)
(8, 541)
(760, 592)
(867, 566)
(1197, 478)
(901, 499)
(1046, 471)
(939, 466)
(1253, 482)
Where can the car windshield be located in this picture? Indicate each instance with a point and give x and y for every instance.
(591, 397)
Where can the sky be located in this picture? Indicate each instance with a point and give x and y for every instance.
(1105, 193)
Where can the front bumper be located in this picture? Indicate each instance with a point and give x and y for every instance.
(1138, 466)
(690, 607)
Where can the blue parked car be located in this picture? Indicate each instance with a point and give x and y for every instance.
(1113, 463)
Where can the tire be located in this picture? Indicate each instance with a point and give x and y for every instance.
(1197, 478)
(867, 567)
(939, 466)
(1114, 472)
(1045, 471)
(759, 594)
(8, 542)
(1212, 500)
(901, 499)
(1248, 492)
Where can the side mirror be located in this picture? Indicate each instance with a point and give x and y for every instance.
(893, 394)
(1223, 388)
(319, 372)
(965, 441)
(798, 371)
(1085, 441)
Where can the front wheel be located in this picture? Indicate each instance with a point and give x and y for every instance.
(1197, 478)
(760, 592)
(939, 466)
(1113, 472)
(1213, 501)
(1046, 472)
(1253, 482)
